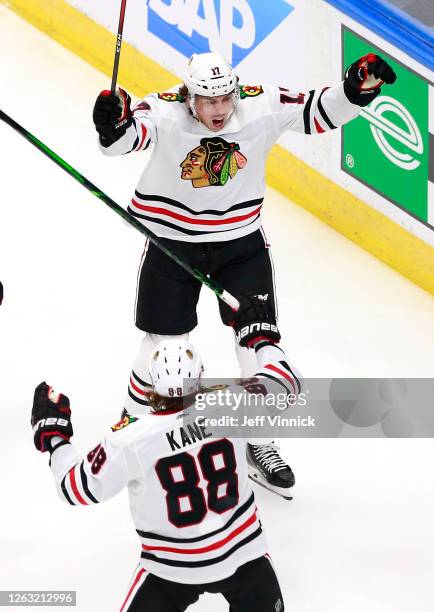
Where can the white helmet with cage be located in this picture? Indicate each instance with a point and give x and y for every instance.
(209, 74)
(175, 368)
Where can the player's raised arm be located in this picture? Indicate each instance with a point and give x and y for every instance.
(79, 480)
(123, 129)
(325, 109)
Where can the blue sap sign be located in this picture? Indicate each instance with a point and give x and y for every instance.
(233, 27)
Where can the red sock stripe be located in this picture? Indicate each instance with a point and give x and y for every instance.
(285, 375)
(211, 547)
(174, 215)
(74, 487)
(133, 586)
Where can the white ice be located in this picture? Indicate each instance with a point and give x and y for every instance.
(359, 536)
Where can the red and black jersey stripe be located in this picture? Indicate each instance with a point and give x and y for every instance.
(191, 211)
(75, 487)
(204, 562)
(306, 113)
(137, 389)
(323, 114)
(186, 220)
(207, 544)
(142, 140)
(183, 230)
(314, 114)
(280, 372)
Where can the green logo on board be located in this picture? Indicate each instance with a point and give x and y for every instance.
(387, 146)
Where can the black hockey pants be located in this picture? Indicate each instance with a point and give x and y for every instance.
(253, 588)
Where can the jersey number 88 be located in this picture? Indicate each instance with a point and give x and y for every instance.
(197, 505)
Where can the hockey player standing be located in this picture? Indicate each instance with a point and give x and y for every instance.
(190, 497)
(203, 190)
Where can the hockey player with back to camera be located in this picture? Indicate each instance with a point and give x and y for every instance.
(190, 497)
(204, 187)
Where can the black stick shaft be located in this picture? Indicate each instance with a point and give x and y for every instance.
(221, 293)
(118, 46)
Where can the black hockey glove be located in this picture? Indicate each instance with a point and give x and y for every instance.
(112, 116)
(364, 78)
(254, 321)
(51, 416)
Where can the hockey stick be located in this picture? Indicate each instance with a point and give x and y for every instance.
(205, 280)
(118, 46)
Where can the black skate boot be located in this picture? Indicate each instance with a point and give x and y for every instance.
(267, 468)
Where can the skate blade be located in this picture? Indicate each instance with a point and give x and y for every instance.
(270, 488)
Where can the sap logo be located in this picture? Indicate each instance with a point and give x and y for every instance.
(233, 27)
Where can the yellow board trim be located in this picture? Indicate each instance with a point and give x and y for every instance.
(295, 179)
(352, 217)
(93, 43)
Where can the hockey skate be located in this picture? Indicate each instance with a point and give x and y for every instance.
(267, 468)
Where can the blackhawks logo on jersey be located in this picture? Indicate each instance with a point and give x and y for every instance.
(124, 422)
(171, 97)
(250, 91)
(212, 163)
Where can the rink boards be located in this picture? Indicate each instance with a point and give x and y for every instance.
(375, 176)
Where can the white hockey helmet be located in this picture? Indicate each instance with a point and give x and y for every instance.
(175, 368)
(209, 74)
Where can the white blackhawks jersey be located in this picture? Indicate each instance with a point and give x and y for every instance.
(190, 497)
(202, 186)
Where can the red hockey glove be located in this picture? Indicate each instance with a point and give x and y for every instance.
(364, 78)
(112, 116)
(254, 321)
(51, 416)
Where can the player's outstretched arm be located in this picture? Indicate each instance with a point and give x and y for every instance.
(121, 129)
(79, 480)
(322, 110)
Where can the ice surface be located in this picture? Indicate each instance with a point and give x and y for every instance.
(359, 536)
